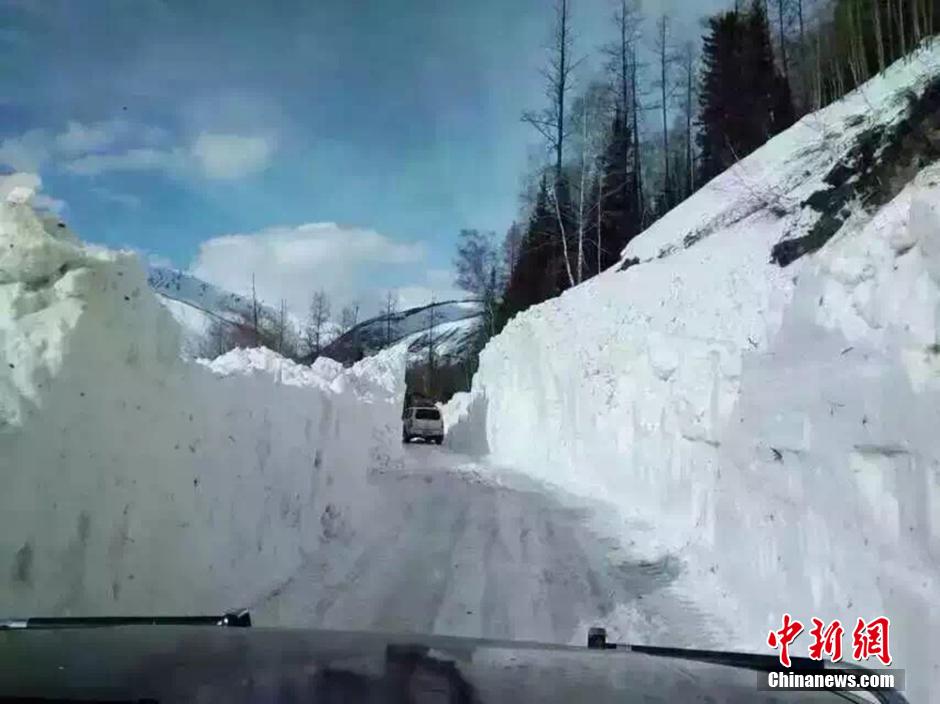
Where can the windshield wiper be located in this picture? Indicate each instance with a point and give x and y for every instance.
(235, 619)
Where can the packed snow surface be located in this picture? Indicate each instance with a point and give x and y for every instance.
(775, 429)
(135, 482)
(468, 549)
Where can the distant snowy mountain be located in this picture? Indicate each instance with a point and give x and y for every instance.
(195, 304)
(451, 325)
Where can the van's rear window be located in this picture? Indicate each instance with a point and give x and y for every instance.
(427, 414)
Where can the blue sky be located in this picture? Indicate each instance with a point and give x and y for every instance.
(163, 125)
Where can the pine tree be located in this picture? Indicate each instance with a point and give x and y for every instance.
(539, 266)
(759, 76)
(743, 99)
(621, 214)
(719, 116)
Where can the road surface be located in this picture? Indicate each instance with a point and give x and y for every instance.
(455, 552)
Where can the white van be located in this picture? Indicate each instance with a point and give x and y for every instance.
(423, 422)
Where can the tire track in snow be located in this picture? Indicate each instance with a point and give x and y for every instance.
(453, 553)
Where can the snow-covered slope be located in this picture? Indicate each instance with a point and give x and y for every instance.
(453, 326)
(774, 426)
(135, 482)
(195, 303)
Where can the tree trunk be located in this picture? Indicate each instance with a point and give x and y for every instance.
(430, 370)
(628, 103)
(861, 58)
(564, 234)
(561, 88)
(783, 41)
(799, 11)
(690, 177)
(637, 160)
(600, 217)
(901, 33)
(817, 82)
(581, 194)
(624, 67)
(663, 65)
(254, 310)
(879, 38)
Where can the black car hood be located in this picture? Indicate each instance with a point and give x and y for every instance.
(199, 663)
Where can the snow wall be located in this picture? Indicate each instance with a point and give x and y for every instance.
(777, 428)
(134, 482)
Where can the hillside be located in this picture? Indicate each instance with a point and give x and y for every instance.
(755, 388)
(453, 325)
(196, 305)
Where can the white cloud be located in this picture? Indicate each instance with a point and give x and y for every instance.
(30, 182)
(118, 145)
(144, 159)
(27, 152)
(125, 200)
(43, 202)
(291, 263)
(80, 139)
(158, 260)
(438, 285)
(27, 187)
(151, 258)
(231, 156)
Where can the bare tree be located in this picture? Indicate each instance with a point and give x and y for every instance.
(255, 310)
(349, 316)
(349, 319)
(900, 20)
(666, 59)
(583, 169)
(550, 122)
(478, 270)
(219, 338)
(915, 20)
(594, 110)
(635, 114)
(512, 245)
(432, 320)
(391, 307)
(879, 35)
(857, 58)
(688, 107)
(599, 223)
(318, 317)
(622, 61)
(781, 20)
(817, 74)
(799, 15)
(280, 329)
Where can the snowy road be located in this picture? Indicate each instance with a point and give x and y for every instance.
(453, 552)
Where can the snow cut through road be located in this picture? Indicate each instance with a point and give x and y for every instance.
(457, 548)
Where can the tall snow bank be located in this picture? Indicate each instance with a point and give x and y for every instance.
(774, 427)
(464, 426)
(134, 482)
